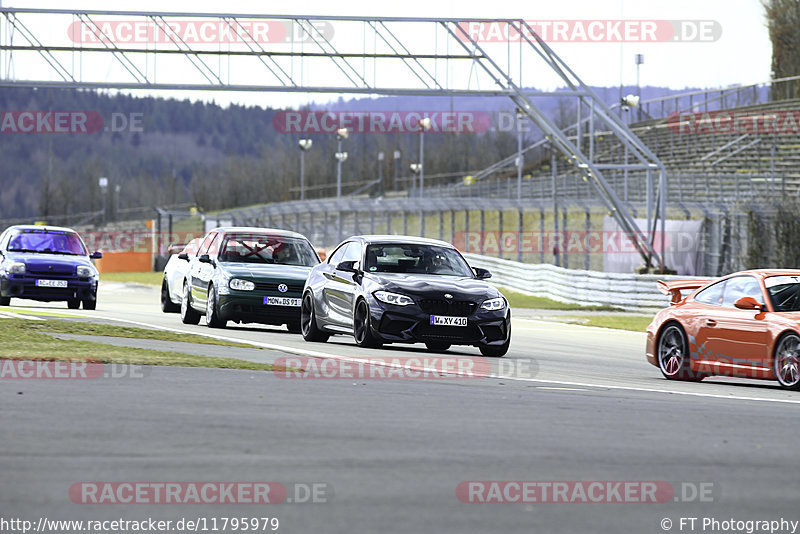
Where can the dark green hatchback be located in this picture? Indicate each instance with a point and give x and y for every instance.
(247, 275)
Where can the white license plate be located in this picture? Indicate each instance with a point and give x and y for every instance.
(51, 283)
(440, 320)
(281, 301)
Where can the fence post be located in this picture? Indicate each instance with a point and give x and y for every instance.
(541, 234)
(466, 229)
(372, 220)
(519, 234)
(325, 228)
(339, 222)
(482, 231)
(500, 232)
(564, 230)
(586, 238)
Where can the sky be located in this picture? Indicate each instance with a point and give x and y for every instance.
(731, 44)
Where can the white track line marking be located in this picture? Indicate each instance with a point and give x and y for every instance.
(12, 315)
(318, 354)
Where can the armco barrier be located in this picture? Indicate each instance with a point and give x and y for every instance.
(630, 292)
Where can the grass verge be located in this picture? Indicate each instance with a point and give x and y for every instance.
(633, 323)
(521, 300)
(92, 329)
(22, 339)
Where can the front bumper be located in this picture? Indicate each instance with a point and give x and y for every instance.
(410, 324)
(23, 286)
(249, 307)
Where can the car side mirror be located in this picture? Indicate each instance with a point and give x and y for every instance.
(183, 256)
(482, 274)
(96, 255)
(347, 266)
(748, 303)
(205, 259)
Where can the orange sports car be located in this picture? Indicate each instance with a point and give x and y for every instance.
(746, 324)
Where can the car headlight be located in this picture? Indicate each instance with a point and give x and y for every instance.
(16, 268)
(393, 298)
(84, 272)
(241, 285)
(494, 304)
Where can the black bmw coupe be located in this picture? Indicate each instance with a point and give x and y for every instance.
(401, 289)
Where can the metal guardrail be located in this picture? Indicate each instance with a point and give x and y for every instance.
(629, 292)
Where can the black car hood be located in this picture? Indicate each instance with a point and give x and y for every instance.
(266, 270)
(427, 285)
(55, 263)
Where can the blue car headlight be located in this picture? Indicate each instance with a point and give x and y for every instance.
(85, 272)
(16, 268)
(393, 298)
(494, 304)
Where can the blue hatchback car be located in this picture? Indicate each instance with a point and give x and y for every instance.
(47, 263)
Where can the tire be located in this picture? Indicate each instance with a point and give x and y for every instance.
(673, 354)
(5, 301)
(213, 320)
(362, 326)
(437, 346)
(308, 321)
(73, 304)
(786, 362)
(167, 306)
(90, 304)
(188, 314)
(294, 327)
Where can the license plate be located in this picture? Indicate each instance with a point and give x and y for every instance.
(51, 283)
(440, 320)
(281, 301)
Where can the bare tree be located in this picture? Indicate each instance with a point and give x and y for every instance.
(783, 21)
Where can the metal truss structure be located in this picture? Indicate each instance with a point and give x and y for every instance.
(132, 50)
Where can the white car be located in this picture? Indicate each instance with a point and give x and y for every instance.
(175, 273)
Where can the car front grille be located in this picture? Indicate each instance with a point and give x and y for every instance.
(50, 274)
(294, 287)
(457, 308)
(456, 333)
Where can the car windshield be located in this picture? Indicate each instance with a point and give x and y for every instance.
(260, 248)
(784, 291)
(191, 247)
(47, 242)
(415, 259)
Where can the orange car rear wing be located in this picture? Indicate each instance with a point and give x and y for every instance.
(673, 288)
